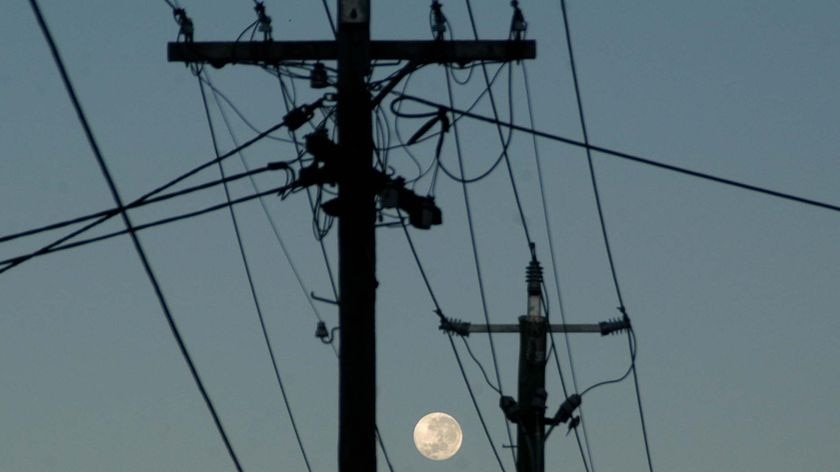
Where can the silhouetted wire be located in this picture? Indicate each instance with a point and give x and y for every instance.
(250, 278)
(289, 102)
(626, 156)
(314, 204)
(499, 129)
(480, 366)
(172, 4)
(143, 226)
(441, 316)
(477, 263)
(272, 223)
(622, 306)
(127, 221)
(238, 113)
(329, 17)
(115, 211)
(556, 274)
(171, 183)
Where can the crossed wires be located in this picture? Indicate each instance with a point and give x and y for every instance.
(134, 238)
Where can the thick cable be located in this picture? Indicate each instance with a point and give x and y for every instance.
(250, 279)
(127, 221)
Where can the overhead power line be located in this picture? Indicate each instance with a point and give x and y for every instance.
(152, 224)
(603, 225)
(250, 278)
(625, 155)
(134, 238)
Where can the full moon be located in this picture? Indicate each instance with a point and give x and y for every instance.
(438, 436)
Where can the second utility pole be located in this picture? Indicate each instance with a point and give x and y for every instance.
(356, 247)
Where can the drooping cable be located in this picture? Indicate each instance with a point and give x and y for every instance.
(496, 115)
(134, 238)
(58, 243)
(250, 279)
(439, 312)
(476, 261)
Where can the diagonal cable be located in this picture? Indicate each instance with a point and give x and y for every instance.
(134, 238)
(250, 278)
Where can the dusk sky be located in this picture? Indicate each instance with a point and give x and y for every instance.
(733, 294)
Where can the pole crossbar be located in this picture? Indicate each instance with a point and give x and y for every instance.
(220, 53)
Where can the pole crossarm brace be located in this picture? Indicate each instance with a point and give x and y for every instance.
(218, 53)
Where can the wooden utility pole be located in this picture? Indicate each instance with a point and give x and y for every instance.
(356, 243)
(358, 183)
(528, 412)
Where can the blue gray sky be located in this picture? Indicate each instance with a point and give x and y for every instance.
(733, 294)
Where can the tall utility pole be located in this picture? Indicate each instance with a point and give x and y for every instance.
(358, 182)
(356, 243)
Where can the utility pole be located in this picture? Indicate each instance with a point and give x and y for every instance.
(358, 182)
(528, 413)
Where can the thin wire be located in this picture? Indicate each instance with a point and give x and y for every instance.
(56, 243)
(439, 312)
(172, 219)
(329, 17)
(115, 211)
(476, 258)
(499, 128)
(127, 221)
(555, 272)
(250, 278)
(627, 156)
(480, 366)
(604, 225)
(275, 229)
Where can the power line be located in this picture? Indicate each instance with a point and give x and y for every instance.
(439, 313)
(476, 261)
(604, 225)
(626, 156)
(135, 239)
(58, 242)
(556, 274)
(114, 211)
(250, 278)
(62, 245)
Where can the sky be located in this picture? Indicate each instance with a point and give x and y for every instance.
(733, 294)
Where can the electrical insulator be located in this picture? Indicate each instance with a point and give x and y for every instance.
(318, 77)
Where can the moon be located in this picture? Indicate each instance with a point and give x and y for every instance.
(437, 436)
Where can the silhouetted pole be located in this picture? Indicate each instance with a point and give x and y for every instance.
(358, 183)
(532, 394)
(356, 243)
